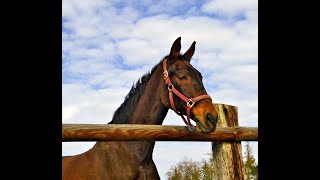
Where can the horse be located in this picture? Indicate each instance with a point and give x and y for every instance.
(171, 84)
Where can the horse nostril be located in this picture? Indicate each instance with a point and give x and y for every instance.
(212, 119)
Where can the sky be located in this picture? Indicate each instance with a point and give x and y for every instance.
(108, 45)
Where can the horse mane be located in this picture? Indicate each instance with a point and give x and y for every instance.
(123, 114)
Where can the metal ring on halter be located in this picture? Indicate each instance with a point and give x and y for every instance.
(165, 75)
(191, 129)
(170, 87)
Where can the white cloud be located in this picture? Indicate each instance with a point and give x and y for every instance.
(68, 112)
(92, 106)
(73, 148)
(137, 52)
(163, 6)
(230, 7)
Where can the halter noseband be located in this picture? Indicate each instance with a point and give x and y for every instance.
(190, 101)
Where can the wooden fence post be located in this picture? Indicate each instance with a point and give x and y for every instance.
(227, 156)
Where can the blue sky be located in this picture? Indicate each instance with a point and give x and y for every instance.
(108, 45)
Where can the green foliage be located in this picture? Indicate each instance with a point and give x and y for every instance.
(207, 170)
(188, 169)
(250, 166)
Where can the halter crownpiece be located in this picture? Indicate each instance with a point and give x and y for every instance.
(190, 101)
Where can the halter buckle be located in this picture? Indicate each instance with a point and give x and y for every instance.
(190, 103)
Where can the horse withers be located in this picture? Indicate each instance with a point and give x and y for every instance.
(172, 84)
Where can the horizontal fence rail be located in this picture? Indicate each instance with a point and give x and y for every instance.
(134, 132)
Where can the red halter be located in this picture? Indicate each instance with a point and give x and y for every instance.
(190, 101)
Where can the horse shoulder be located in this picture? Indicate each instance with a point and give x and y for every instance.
(85, 166)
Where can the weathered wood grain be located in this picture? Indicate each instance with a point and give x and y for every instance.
(227, 156)
(133, 132)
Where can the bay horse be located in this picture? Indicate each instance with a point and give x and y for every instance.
(172, 84)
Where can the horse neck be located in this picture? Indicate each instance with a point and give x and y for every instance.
(150, 109)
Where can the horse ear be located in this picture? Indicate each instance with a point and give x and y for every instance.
(189, 53)
(176, 47)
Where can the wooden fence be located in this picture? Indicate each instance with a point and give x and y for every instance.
(134, 132)
(226, 139)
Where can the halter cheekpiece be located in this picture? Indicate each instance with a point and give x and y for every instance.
(189, 101)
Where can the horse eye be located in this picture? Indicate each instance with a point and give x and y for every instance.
(183, 78)
(181, 75)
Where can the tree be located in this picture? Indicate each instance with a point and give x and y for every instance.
(207, 170)
(174, 174)
(188, 169)
(251, 167)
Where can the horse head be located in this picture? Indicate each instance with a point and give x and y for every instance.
(184, 85)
